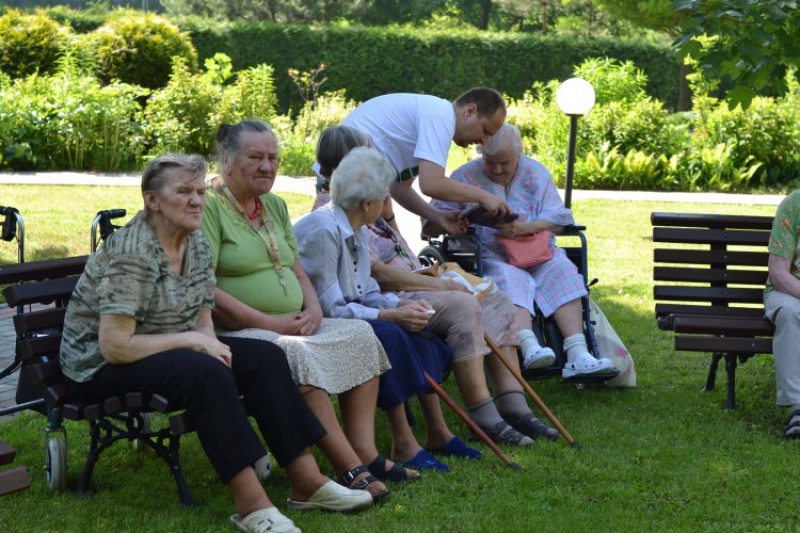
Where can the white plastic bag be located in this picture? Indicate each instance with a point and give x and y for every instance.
(609, 345)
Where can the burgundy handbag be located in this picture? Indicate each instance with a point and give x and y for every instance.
(527, 250)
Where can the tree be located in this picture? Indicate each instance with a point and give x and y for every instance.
(653, 14)
(752, 43)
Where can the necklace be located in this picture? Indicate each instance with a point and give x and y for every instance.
(257, 210)
(271, 243)
(381, 229)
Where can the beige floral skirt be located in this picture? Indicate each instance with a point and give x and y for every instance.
(343, 354)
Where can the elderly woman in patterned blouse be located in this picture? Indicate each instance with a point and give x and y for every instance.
(555, 286)
(140, 321)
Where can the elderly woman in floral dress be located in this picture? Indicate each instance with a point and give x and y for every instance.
(555, 286)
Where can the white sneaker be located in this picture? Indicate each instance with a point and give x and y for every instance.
(539, 357)
(586, 364)
(269, 520)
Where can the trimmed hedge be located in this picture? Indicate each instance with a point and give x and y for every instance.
(371, 61)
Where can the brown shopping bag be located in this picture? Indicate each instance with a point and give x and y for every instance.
(610, 345)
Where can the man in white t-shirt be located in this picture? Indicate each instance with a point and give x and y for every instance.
(414, 132)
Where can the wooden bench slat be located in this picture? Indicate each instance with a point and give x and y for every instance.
(710, 257)
(663, 310)
(41, 270)
(7, 453)
(703, 220)
(58, 394)
(40, 292)
(52, 318)
(718, 295)
(736, 345)
(39, 346)
(14, 480)
(711, 236)
(710, 275)
(733, 327)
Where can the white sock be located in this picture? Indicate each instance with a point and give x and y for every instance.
(575, 346)
(530, 344)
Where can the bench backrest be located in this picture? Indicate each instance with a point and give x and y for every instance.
(40, 291)
(711, 265)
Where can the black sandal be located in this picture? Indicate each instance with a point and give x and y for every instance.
(395, 473)
(349, 476)
(533, 427)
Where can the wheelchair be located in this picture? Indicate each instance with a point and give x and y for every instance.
(466, 251)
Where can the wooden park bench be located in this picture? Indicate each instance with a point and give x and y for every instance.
(40, 291)
(14, 479)
(709, 275)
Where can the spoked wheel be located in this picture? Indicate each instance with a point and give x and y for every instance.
(431, 254)
(138, 444)
(56, 463)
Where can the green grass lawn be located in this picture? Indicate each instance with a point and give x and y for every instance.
(661, 457)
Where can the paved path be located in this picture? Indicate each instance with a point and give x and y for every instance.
(407, 222)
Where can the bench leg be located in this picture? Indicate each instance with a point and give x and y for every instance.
(730, 369)
(167, 446)
(711, 379)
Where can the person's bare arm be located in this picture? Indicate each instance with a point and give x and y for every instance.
(780, 275)
(120, 344)
(311, 307)
(392, 278)
(434, 183)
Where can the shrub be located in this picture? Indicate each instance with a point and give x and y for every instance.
(185, 115)
(299, 139)
(30, 43)
(176, 117)
(139, 49)
(69, 121)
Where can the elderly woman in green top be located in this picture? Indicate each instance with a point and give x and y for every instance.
(263, 292)
(140, 321)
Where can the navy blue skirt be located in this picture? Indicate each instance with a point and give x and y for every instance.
(411, 354)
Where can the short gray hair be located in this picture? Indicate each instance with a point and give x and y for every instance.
(506, 138)
(336, 142)
(363, 175)
(155, 175)
(229, 138)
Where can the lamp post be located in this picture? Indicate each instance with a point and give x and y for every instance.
(575, 98)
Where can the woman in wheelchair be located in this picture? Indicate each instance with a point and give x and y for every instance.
(459, 317)
(555, 286)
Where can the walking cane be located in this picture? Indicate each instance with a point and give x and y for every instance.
(472, 425)
(535, 397)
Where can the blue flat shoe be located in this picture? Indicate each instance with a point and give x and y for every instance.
(425, 461)
(457, 448)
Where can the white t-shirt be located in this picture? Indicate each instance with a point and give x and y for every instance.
(407, 127)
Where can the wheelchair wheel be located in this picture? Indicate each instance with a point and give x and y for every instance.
(138, 444)
(56, 463)
(431, 254)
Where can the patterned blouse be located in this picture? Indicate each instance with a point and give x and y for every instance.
(130, 276)
(784, 241)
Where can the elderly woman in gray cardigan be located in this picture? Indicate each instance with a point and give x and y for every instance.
(333, 249)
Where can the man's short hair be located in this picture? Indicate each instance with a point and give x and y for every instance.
(488, 101)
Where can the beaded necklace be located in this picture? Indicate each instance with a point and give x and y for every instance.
(271, 243)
